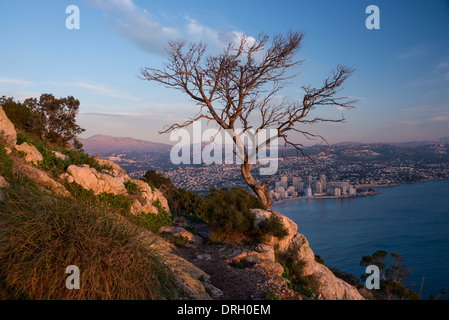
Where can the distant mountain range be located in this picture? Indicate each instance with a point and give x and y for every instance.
(407, 144)
(106, 145)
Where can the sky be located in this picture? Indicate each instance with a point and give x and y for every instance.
(401, 79)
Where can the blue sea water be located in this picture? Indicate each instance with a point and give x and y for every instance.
(410, 219)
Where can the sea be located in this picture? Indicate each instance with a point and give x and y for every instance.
(410, 219)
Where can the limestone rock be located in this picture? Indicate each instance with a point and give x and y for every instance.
(3, 184)
(176, 232)
(59, 155)
(147, 199)
(262, 256)
(42, 179)
(115, 170)
(32, 154)
(98, 182)
(8, 134)
(179, 232)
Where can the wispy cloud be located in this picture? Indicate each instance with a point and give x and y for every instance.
(137, 25)
(413, 52)
(410, 122)
(16, 82)
(99, 89)
(440, 118)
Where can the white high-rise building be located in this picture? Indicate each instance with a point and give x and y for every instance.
(337, 192)
(297, 182)
(352, 190)
(284, 182)
(318, 187)
(323, 182)
(308, 192)
(277, 185)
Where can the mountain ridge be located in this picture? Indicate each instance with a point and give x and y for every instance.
(106, 144)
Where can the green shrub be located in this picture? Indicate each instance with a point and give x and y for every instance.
(187, 202)
(6, 164)
(179, 200)
(131, 187)
(270, 227)
(40, 236)
(158, 181)
(228, 212)
(153, 221)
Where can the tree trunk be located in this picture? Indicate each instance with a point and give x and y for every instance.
(260, 190)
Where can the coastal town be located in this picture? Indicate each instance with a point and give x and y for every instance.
(343, 171)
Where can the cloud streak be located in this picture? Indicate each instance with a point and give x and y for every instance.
(150, 35)
(15, 82)
(97, 89)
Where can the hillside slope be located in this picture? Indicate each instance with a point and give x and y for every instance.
(61, 207)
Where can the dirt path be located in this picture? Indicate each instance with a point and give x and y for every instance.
(236, 283)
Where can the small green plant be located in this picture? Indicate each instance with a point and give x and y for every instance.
(272, 226)
(6, 164)
(191, 229)
(153, 221)
(319, 259)
(194, 218)
(270, 295)
(131, 187)
(56, 166)
(293, 272)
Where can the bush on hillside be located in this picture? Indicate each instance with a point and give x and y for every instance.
(180, 200)
(49, 118)
(228, 213)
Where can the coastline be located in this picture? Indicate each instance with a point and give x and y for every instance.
(359, 186)
(376, 185)
(364, 194)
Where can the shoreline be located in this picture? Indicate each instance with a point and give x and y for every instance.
(365, 194)
(375, 185)
(359, 186)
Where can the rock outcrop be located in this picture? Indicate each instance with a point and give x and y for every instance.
(296, 246)
(112, 180)
(41, 178)
(98, 182)
(148, 199)
(8, 135)
(32, 155)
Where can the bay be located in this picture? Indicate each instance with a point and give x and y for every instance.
(410, 219)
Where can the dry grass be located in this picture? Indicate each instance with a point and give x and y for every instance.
(40, 236)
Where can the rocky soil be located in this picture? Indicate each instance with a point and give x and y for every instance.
(236, 281)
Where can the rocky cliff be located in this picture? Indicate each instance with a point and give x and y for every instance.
(109, 178)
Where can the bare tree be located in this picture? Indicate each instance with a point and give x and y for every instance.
(239, 89)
